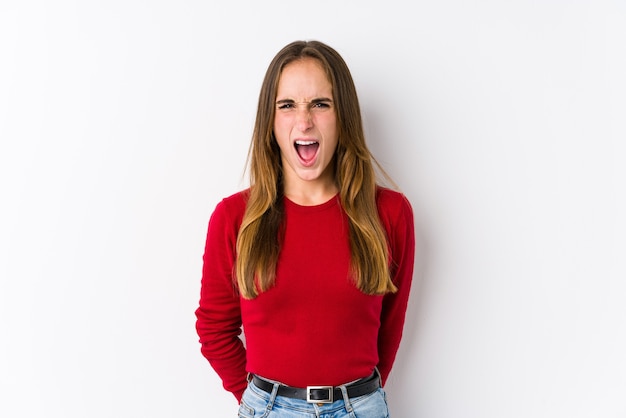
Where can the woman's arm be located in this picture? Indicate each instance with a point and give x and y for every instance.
(399, 224)
(218, 316)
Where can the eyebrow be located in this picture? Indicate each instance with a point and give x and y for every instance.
(313, 101)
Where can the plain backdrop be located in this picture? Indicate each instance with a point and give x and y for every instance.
(123, 123)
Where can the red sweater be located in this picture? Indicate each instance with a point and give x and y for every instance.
(314, 327)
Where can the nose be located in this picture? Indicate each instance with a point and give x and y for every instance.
(304, 121)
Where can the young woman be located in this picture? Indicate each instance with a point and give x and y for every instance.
(314, 260)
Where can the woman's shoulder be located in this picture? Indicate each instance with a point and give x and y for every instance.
(396, 216)
(390, 199)
(393, 207)
(232, 206)
(236, 200)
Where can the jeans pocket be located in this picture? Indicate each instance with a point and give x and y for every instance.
(245, 411)
(373, 405)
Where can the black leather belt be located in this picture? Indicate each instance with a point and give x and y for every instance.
(321, 394)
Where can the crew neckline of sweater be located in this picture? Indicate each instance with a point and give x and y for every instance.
(333, 201)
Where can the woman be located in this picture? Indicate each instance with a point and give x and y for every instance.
(314, 260)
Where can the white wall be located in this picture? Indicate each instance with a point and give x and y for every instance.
(124, 122)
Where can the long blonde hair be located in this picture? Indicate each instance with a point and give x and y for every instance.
(258, 242)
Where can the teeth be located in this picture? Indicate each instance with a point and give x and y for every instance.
(306, 142)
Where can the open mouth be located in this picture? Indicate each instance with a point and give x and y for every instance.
(307, 150)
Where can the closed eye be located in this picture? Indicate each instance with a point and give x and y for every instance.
(315, 104)
(320, 105)
(286, 106)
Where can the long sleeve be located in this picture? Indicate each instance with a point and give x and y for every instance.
(218, 315)
(398, 222)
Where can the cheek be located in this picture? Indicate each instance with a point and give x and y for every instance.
(281, 127)
(331, 133)
(328, 123)
(332, 149)
(281, 135)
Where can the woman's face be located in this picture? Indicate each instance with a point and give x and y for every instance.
(305, 125)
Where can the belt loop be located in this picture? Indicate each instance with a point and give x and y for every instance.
(346, 399)
(270, 402)
(380, 378)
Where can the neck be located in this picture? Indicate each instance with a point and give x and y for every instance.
(310, 193)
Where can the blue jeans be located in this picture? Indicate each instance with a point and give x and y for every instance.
(257, 403)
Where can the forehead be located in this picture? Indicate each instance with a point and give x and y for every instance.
(304, 79)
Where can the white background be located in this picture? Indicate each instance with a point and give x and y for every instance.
(123, 123)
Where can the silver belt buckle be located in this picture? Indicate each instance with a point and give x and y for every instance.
(329, 399)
